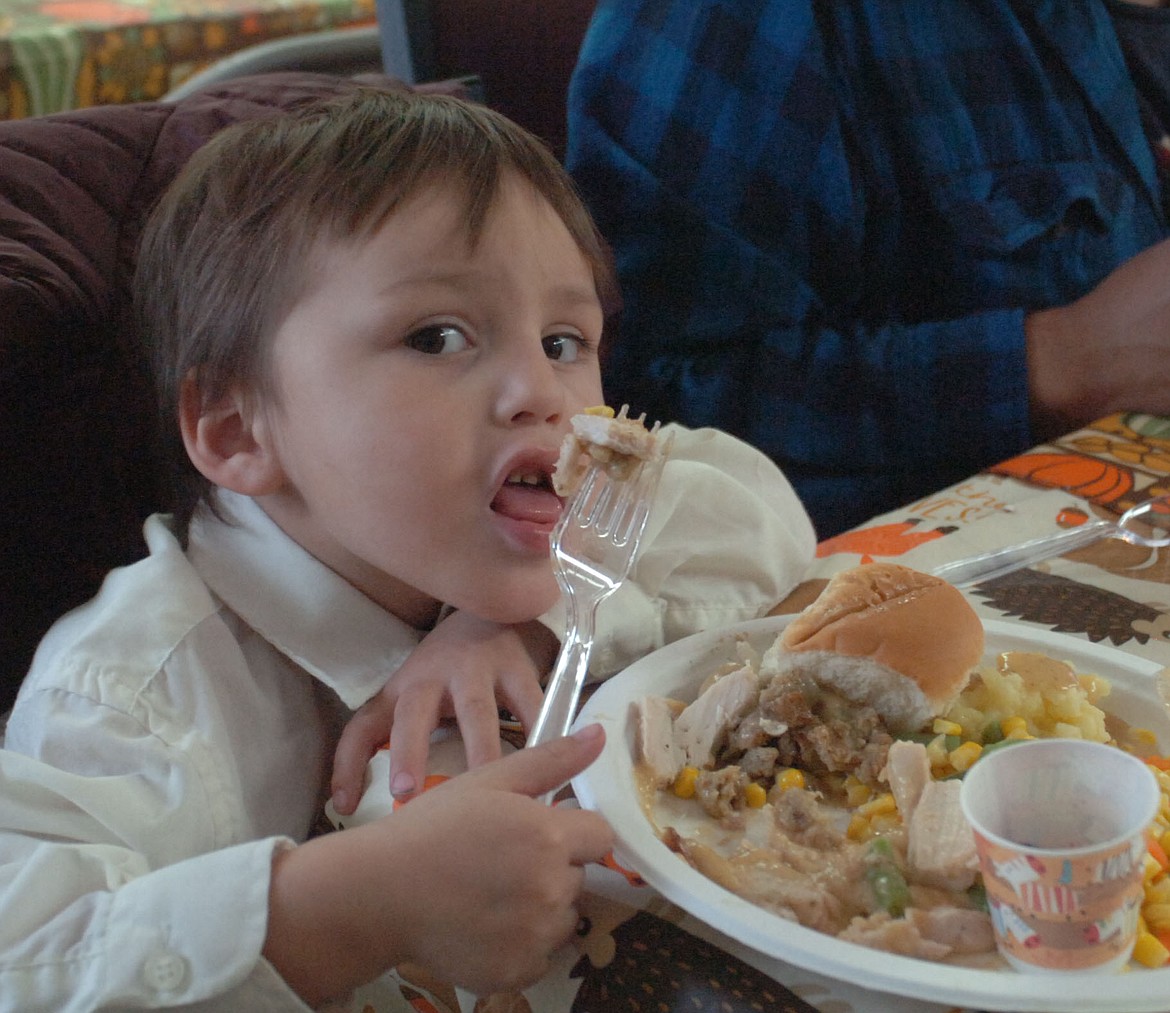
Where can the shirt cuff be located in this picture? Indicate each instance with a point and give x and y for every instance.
(194, 931)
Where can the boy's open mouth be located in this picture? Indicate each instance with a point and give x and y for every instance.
(527, 495)
(536, 478)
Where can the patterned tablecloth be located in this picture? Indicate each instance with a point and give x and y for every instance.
(69, 54)
(637, 952)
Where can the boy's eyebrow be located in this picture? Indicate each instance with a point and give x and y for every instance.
(568, 292)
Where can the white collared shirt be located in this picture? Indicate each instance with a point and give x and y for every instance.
(179, 728)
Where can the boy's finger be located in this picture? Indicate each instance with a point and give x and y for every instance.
(366, 731)
(591, 837)
(415, 718)
(539, 770)
(523, 697)
(479, 727)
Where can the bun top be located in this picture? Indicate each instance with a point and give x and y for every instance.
(920, 634)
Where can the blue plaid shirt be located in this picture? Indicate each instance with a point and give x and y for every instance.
(830, 217)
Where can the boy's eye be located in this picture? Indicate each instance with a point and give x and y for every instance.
(437, 339)
(562, 347)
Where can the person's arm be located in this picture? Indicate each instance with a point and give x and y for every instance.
(797, 242)
(475, 880)
(1107, 351)
(465, 668)
(117, 888)
(742, 250)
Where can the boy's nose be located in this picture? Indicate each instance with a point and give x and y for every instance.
(530, 390)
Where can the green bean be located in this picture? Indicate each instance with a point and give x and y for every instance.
(992, 732)
(1002, 743)
(977, 893)
(885, 879)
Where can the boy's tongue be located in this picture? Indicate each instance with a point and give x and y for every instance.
(527, 503)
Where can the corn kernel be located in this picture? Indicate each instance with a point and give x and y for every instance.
(754, 795)
(684, 783)
(1094, 686)
(604, 410)
(790, 777)
(1014, 727)
(858, 829)
(1149, 952)
(965, 755)
(885, 823)
(1158, 928)
(856, 791)
(1157, 916)
(1144, 735)
(883, 803)
(1158, 892)
(942, 726)
(936, 751)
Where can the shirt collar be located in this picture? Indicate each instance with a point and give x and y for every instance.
(295, 602)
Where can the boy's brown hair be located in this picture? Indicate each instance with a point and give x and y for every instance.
(227, 249)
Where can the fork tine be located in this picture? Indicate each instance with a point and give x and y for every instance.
(624, 515)
(628, 514)
(598, 508)
(608, 521)
(585, 499)
(643, 491)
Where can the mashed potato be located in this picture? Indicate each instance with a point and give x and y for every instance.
(1049, 696)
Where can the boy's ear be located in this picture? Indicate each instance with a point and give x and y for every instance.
(228, 442)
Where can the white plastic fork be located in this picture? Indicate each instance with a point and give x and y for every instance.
(593, 548)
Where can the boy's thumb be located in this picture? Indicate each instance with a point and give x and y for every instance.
(542, 768)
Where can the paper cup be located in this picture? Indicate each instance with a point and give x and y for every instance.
(1060, 827)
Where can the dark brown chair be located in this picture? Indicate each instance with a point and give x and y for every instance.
(523, 52)
(76, 404)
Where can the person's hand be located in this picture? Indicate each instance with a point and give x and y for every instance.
(466, 668)
(475, 881)
(1107, 351)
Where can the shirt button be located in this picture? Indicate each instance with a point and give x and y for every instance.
(165, 972)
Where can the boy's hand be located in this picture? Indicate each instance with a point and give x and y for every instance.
(475, 881)
(518, 871)
(465, 668)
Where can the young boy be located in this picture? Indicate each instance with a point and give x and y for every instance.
(371, 322)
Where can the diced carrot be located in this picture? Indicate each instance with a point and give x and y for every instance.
(1161, 762)
(1158, 852)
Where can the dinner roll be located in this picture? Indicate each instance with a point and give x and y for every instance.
(897, 639)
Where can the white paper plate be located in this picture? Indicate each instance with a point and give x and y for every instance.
(608, 786)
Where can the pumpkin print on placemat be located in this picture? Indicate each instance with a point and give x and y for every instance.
(1087, 477)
